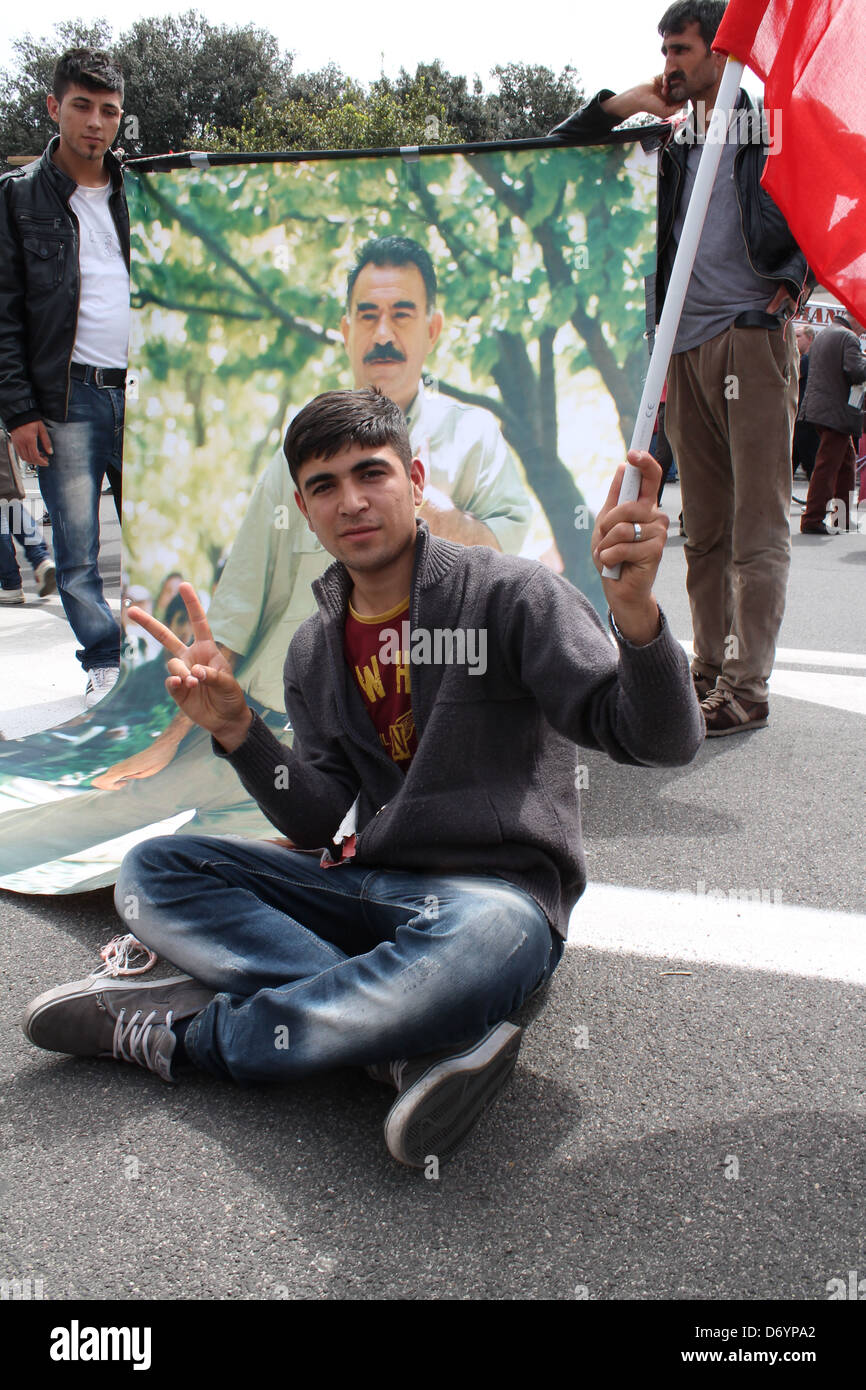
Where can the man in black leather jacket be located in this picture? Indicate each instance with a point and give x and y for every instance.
(64, 325)
(732, 382)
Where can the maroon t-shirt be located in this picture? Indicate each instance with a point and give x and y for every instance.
(385, 684)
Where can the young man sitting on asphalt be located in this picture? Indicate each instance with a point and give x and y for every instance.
(435, 699)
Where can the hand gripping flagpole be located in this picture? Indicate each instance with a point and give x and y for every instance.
(675, 296)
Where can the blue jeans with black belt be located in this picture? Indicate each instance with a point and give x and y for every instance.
(87, 444)
(317, 968)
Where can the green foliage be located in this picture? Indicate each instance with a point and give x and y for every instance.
(25, 126)
(328, 111)
(182, 74)
(466, 111)
(531, 100)
(193, 85)
(239, 282)
(356, 120)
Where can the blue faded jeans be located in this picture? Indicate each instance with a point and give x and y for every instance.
(15, 520)
(87, 445)
(319, 968)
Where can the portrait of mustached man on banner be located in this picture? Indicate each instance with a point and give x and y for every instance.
(499, 300)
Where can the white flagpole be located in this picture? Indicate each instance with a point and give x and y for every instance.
(680, 275)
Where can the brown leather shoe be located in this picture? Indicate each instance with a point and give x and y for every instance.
(726, 713)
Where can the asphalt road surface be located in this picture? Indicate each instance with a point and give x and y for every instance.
(686, 1120)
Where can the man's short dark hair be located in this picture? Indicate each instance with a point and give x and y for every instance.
(395, 250)
(89, 68)
(706, 13)
(336, 420)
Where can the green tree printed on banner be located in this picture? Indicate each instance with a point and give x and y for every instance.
(239, 285)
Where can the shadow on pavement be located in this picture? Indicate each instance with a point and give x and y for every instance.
(698, 1146)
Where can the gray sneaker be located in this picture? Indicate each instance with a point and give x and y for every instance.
(442, 1097)
(131, 1022)
(46, 577)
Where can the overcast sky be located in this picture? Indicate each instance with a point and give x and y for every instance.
(611, 45)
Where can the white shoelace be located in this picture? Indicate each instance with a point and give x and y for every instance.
(397, 1069)
(122, 956)
(136, 1037)
(103, 677)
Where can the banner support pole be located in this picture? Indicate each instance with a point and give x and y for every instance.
(684, 260)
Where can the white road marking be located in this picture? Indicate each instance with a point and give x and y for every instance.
(845, 692)
(722, 930)
(804, 656)
(836, 692)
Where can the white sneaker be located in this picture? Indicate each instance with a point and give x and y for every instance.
(8, 597)
(99, 681)
(44, 574)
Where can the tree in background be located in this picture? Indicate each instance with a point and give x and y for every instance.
(25, 126)
(182, 75)
(193, 85)
(531, 100)
(464, 110)
(354, 120)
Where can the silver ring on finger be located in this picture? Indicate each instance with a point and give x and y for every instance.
(638, 534)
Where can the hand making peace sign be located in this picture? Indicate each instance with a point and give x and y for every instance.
(200, 680)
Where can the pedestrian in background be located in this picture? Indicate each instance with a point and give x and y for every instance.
(805, 435)
(836, 364)
(64, 332)
(16, 521)
(733, 449)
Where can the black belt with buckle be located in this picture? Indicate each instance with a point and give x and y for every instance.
(98, 376)
(758, 318)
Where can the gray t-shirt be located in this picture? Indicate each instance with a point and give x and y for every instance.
(723, 283)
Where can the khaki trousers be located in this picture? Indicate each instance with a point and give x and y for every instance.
(731, 406)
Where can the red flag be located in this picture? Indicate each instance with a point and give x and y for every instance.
(812, 57)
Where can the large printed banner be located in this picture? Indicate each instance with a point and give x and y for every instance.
(520, 381)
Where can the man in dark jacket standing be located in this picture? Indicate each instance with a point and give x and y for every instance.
(805, 435)
(64, 332)
(732, 381)
(835, 365)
